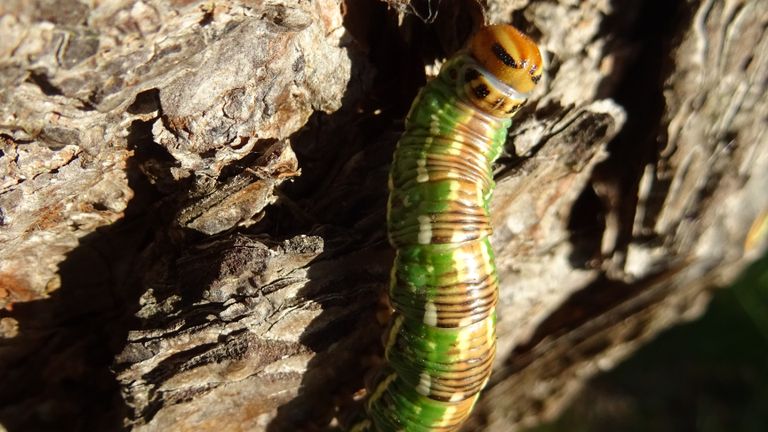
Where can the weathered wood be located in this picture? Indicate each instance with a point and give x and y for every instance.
(193, 196)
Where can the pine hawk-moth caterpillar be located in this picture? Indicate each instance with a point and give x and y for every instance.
(441, 339)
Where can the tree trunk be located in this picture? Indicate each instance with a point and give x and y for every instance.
(193, 198)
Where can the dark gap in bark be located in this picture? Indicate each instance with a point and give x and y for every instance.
(586, 225)
(151, 161)
(243, 164)
(40, 79)
(640, 92)
(145, 102)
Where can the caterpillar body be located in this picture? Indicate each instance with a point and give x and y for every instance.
(441, 340)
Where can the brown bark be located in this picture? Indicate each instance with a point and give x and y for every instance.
(193, 198)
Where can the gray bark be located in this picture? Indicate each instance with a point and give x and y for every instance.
(193, 199)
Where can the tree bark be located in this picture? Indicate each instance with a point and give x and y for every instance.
(193, 199)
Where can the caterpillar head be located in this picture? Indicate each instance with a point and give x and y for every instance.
(509, 67)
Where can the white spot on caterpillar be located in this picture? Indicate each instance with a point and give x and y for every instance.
(457, 397)
(465, 264)
(457, 236)
(453, 190)
(430, 314)
(434, 126)
(463, 343)
(425, 384)
(421, 171)
(425, 229)
(456, 144)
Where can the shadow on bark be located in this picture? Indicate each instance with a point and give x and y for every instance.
(56, 374)
(347, 280)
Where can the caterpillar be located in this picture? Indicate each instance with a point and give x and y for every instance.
(441, 339)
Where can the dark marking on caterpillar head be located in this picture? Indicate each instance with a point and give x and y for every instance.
(481, 91)
(503, 55)
(471, 74)
(535, 78)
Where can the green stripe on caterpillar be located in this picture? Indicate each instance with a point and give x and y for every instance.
(441, 340)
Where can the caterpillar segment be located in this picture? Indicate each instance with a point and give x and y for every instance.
(441, 340)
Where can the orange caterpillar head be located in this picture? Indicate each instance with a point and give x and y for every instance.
(510, 66)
